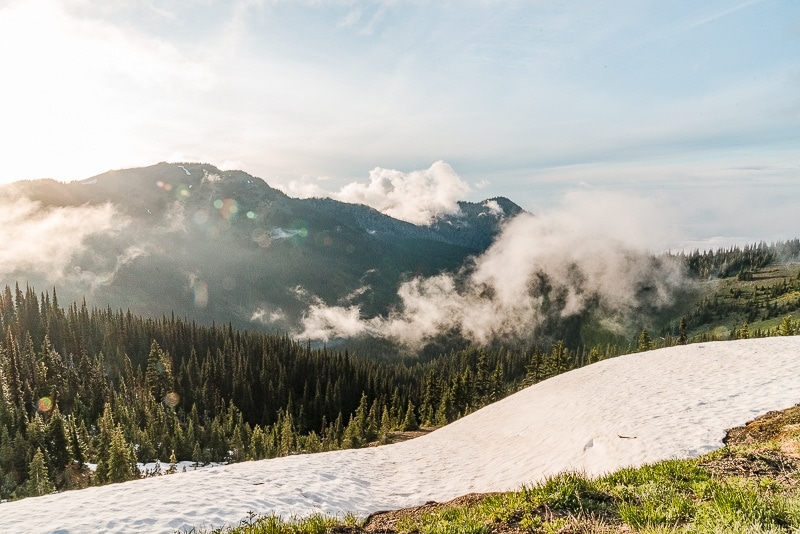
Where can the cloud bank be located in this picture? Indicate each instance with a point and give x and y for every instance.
(45, 240)
(418, 197)
(589, 255)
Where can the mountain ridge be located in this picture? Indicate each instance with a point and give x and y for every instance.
(226, 246)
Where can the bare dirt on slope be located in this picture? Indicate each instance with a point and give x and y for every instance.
(767, 447)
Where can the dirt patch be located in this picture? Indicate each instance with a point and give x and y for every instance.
(400, 436)
(758, 464)
(386, 522)
(767, 427)
(766, 447)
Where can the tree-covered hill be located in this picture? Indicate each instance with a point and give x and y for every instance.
(739, 292)
(81, 385)
(86, 385)
(224, 246)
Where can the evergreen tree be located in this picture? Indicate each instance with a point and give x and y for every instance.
(682, 335)
(312, 443)
(121, 458)
(373, 423)
(57, 443)
(361, 418)
(787, 327)
(386, 426)
(258, 443)
(38, 478)
(353, 436)
(644, 343)
(288, 443)
(534, 369)
(197, 455)
(410, 420)
(173, 463)
(159, 375)
(77, 445)
(744, 332)
(497, 386)
(106, 428)
(445, 413)
(482, 379)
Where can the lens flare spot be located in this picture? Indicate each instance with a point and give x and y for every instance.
(299, 228)
(218, 203)
(261, 237)
(351, 249)
(172, 399)
(228, 209)
(45, 404)
(251, 215)
(182, 192)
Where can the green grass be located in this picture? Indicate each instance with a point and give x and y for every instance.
(458, 520)
(674, 496)
(732, 302)
(679, 496)
(275, 524)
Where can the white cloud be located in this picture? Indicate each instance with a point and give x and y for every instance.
(350, 19)
(45, 240)
(303, 189)
(417, 197)
(268, 316)
(494, 208)
(586, 255)
(288, 89)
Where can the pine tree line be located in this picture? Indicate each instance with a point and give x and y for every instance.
(81, 386)
(739, 261)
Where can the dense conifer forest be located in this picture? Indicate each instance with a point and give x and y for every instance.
(92, 386)
(87, 393)
(739, 261)
(747, 291)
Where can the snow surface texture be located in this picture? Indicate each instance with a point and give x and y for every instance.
(635, 409)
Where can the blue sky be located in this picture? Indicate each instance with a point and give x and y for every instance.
(694, 106)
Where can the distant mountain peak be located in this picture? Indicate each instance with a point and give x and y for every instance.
(219, 245)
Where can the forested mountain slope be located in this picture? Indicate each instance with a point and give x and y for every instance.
(225, 246)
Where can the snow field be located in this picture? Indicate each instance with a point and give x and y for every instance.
(630, 410)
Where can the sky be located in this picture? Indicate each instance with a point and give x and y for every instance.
(691, 106)
(625, 411)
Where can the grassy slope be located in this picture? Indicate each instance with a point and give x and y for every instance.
(717, 308)
(752, 485)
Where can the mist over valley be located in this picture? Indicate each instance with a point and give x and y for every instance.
(195, 242)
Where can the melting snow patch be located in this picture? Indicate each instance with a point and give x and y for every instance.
(626, 411)
(185, 170)
(280, 233)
